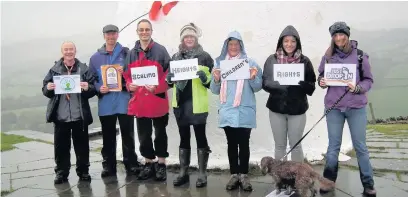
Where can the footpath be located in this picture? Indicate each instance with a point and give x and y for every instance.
(27, 170)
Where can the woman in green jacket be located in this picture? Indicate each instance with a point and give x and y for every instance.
(190, 104)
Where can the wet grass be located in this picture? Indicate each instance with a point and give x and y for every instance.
(8, 141)
(6, 192)
(390, 129)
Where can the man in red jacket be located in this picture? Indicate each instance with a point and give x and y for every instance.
(149, 103)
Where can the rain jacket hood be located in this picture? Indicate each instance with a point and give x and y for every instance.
(289, 31)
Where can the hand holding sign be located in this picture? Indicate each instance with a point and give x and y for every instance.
(50, 86)
(104, 89)
(323, 82)
(253, 72)
(120, 70)
(217, 75)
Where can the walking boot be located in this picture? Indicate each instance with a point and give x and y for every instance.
(161, 171)
(147, 171)
(202, 156)
(183, 177)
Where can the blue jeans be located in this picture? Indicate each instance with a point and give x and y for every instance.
(357, 120)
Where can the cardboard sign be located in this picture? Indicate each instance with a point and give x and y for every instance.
(111, 77)
(289, 74)
(67, 84)
(184, 69)
(145, 75)
(234, 69)
(340, 74)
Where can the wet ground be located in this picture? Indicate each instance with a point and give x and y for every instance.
(27, 171)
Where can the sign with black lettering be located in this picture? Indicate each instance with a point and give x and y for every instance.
(289, 74)
(234, 69)
(184, 69)
(340, 74)
(145, 75)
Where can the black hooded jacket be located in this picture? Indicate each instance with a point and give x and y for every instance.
(284, 99)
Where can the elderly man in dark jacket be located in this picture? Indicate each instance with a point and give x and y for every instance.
(70, 113)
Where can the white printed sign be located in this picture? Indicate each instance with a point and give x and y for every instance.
(283, 193)
(67, 84)
(340, 74)
(145, 75)
(234, 69)
(184, 69)
(289, 74)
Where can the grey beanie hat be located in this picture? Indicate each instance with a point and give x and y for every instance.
(339, 27)
(190, 30)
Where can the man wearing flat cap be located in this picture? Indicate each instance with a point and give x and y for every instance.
(113, 105)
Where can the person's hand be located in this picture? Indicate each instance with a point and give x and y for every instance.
(50, 86)
(104, 89)
(253, 71)
(84, 86)
(353, 88)
(151, 88)
(203, 77)
(132, 87)
(168, 77)
(120, 70)
(217, 75)
(322, 82)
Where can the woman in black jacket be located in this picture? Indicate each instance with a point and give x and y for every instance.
(288, 104)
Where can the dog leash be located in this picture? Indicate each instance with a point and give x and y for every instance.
(325, 114)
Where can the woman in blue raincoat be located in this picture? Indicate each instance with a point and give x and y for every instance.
(237, 109)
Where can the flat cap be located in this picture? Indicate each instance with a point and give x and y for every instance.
(110, 28)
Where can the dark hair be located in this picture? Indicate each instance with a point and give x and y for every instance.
(146, 21)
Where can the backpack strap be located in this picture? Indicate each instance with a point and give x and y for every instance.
(360, 54)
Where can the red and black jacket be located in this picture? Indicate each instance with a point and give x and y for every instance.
(144, 103)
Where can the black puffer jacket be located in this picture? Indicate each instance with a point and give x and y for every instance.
(86, 76)
(291, 100)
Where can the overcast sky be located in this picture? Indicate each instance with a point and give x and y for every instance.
(28, 20)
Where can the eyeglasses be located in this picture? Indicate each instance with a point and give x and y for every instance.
(144, 30)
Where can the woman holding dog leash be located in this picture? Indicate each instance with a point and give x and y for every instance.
(351, 108)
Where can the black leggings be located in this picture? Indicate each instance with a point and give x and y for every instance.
(238, 149)
(200, 135)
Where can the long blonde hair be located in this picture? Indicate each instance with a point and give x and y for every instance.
(331, 50)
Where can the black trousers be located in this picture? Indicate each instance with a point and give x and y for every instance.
(145, 131)
(127, 132)
(238, 149)
(62, 147)
(185, 135)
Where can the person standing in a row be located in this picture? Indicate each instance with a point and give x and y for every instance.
(288, 104)
(190, 104)
(71, 114)
(112, 106)
(149, 103)
(352, 107)
(237, 109)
